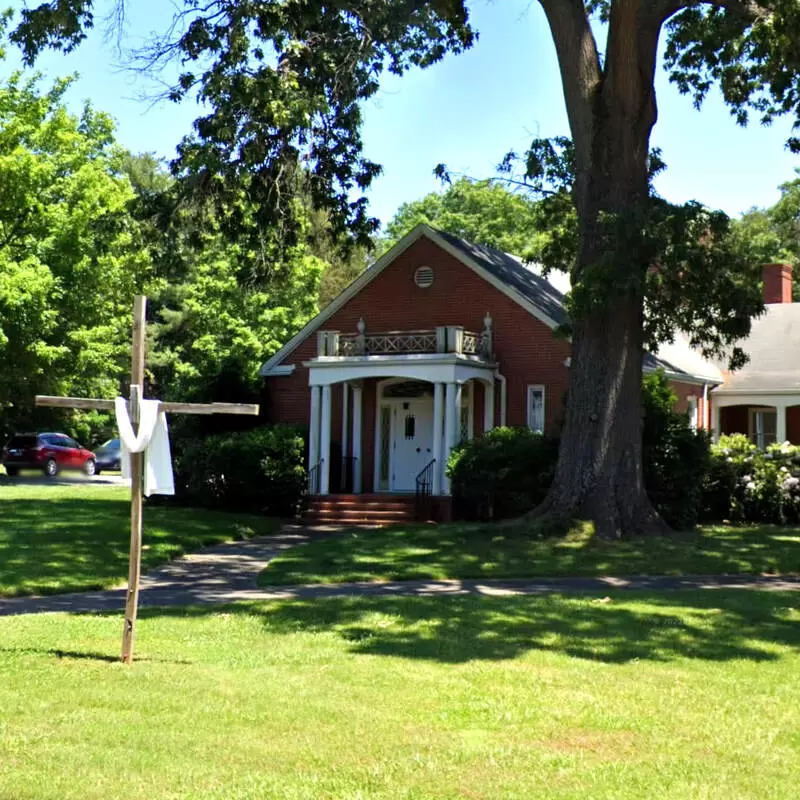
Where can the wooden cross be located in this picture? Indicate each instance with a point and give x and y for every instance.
(137, 459)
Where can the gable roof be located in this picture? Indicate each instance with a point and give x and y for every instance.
(773, 338)
(543, 297)
(506, 273)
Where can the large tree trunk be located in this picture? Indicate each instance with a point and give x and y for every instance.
(612, 111)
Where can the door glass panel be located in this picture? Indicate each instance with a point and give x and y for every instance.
(385, 437)
(410, 426)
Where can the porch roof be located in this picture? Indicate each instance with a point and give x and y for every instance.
(430, 367)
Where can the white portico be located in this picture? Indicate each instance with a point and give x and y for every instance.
(424, 389)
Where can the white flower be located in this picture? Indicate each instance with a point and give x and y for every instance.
(751, 487)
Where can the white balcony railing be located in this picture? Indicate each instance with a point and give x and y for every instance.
(443, 339)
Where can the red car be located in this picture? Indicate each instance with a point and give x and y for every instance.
(49, 452)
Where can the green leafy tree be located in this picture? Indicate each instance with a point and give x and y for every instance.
(484, 212)
(775, 232)
(70, 255)
(212, 324)
(285, 83)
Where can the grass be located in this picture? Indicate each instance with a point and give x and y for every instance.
(474, 551)
(681, 695)
(71, 538)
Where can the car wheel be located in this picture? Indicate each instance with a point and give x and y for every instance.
(97, 470)
(12, 472)
(51, 468)
(90, 468)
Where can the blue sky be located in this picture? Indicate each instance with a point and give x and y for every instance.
(467, 111)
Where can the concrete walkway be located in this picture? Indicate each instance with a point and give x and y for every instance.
(228, 573)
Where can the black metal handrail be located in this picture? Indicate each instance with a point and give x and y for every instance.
(347, 475)
(313, 478)
(424, 491)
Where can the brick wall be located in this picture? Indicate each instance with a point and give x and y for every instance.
(526, 349)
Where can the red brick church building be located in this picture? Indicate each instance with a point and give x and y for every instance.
(440, 340)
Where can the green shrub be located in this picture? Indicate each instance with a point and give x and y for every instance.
(502, 474)
(676, 456)
(509, 470)
(746, 484)
(259, 470)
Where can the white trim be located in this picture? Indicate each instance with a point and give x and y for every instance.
(325, 442)
(358, 424)
(535, 387)
(752, 428)
(438, 435)
(503, 398)
(682, 377)
(734, 393)
(693, 408)
(279, 371)
(393, 404)
(345, 419)
(433, 368)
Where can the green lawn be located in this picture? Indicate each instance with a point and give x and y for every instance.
(69, 538)
(683, 695)
(474, 551)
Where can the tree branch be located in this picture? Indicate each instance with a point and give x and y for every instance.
(661, 10)
(581, 74)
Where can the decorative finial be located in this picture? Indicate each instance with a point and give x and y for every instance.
(487, 322)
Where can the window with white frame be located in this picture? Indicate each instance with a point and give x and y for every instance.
(536, 408)
(693, 412)
(763, 426)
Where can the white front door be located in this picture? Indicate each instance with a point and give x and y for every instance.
(412, 441)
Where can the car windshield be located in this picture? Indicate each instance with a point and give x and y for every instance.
(23, 441)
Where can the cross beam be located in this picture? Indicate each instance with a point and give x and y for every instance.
(137, 459)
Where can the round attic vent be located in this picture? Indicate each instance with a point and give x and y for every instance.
(423, 277)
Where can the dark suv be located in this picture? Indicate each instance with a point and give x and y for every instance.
(49, 452)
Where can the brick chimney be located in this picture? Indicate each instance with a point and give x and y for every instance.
(777, 283)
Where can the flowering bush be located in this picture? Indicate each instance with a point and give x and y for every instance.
(746, 484)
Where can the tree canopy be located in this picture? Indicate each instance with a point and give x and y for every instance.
(285, 82)
(70, 255)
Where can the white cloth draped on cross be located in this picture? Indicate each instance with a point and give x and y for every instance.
(152, 440)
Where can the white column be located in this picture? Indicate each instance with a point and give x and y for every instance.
(780, 423)
(357, 423)
(452, 423)
(717, 408)
(313, 430)
(345, 421)
(488, 406)
(438, 429)
(325, 442)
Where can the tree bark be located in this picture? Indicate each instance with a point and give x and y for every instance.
(599, 475)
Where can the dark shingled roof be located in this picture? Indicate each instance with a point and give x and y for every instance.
(514, 274)
(676, 360)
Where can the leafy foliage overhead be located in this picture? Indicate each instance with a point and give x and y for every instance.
(70, 253)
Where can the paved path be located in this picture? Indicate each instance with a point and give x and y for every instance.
(227, 573)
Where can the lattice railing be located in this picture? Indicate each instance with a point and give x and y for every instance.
(445, 339)
(388, 343)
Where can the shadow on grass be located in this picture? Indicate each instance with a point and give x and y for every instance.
(715, 625)
(469, 551)
(58, 541)
(87, 655)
